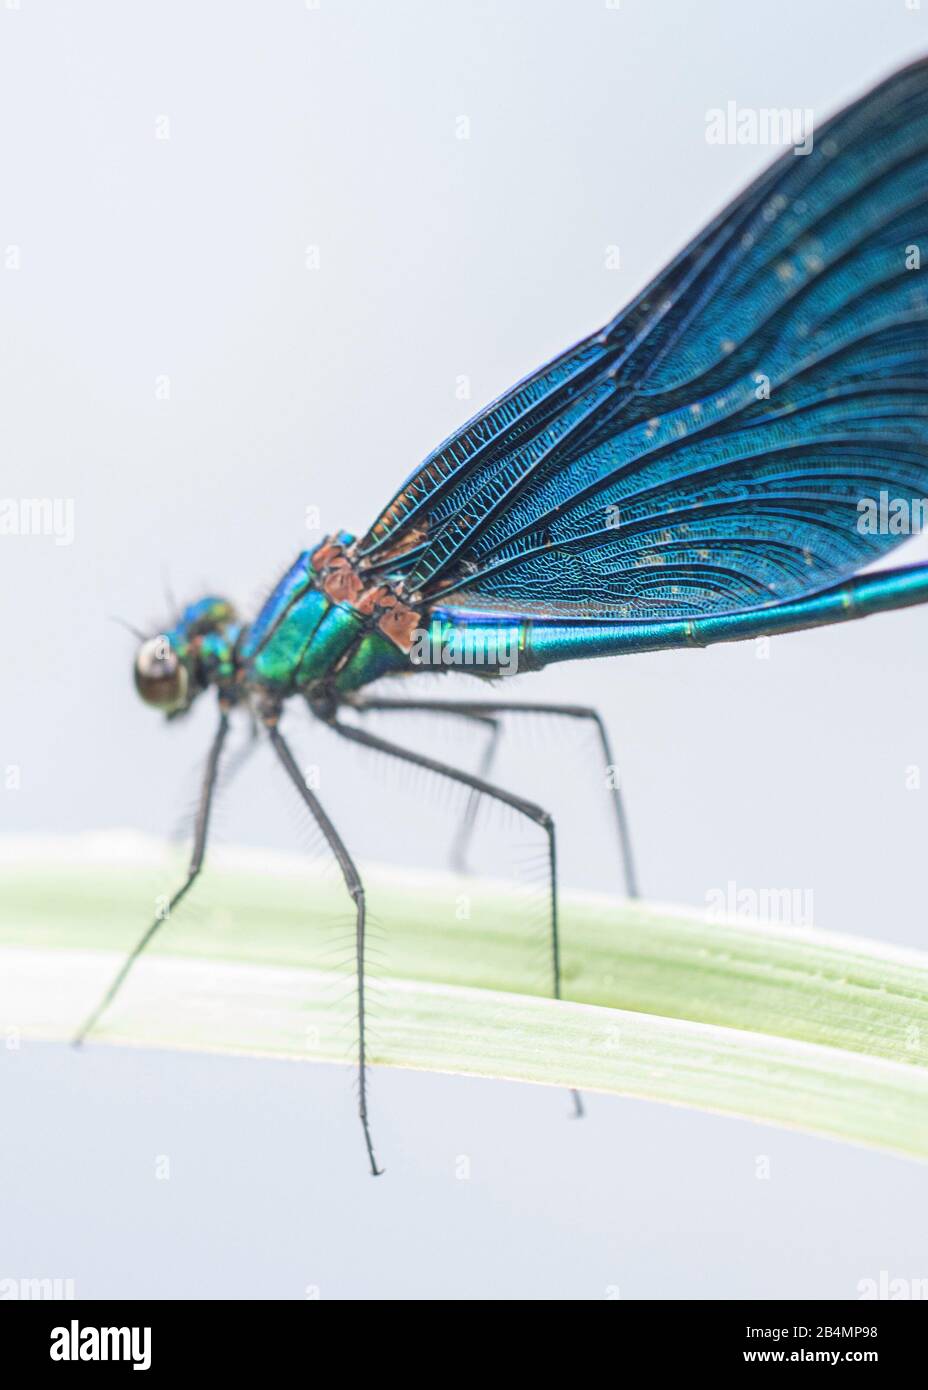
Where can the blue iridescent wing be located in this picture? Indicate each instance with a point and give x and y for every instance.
(706, 452)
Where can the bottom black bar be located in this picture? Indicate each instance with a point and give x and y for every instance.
(162, 1338)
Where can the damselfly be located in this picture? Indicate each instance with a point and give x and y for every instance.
(712, 465)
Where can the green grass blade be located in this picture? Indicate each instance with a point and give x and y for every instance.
(790, 1026)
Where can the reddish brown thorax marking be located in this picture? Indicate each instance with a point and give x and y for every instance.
(326, 553)
(342, 584)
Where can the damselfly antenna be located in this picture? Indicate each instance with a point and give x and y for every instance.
(129, 627)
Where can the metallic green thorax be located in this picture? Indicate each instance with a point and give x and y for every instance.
(302, 639)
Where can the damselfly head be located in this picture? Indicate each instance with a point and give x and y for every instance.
(160, 675)
(198, 651)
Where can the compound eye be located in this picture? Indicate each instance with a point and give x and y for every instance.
(160, 677)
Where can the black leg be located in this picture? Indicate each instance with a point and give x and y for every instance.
(464, 831)
(356, 889)
(196, 863)
(480, 787)
(231, 767)
(467, 708)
